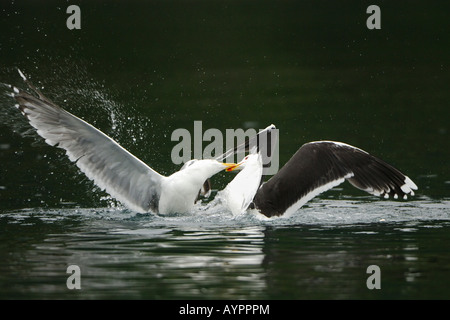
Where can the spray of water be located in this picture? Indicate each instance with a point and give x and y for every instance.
(72, 87)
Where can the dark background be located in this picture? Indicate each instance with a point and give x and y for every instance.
(138, 70)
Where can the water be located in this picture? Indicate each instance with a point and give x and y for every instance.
(320, 253)
(138, 71)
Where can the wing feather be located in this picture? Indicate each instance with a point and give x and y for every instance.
(99, 157)
(319, 166)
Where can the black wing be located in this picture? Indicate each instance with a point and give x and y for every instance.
(320, 166)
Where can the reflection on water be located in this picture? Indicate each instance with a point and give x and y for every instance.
(208, 254)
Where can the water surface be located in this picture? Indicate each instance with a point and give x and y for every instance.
(139, 70)
(322, 252)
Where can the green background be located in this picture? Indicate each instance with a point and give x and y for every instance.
(138, 70)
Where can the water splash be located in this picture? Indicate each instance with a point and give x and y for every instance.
(322, 212)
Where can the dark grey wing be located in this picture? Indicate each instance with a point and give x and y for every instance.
(322, 165)
(100, 158)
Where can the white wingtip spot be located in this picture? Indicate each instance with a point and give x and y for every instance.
(386, 196)
(408, 187)
(395, 196)
(410, 183)
(405, 188)
(405, 197)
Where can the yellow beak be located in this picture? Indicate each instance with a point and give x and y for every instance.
(231, 166)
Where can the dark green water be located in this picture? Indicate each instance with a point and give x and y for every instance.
(138, 71)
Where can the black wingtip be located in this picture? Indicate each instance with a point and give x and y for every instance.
(19, 92)
(31, 86)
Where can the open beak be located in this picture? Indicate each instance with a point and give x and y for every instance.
(231, 166)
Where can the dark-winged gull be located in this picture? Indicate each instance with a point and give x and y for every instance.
(110, 166)
(315, 168)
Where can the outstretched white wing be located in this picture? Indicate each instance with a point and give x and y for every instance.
(103, 160)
